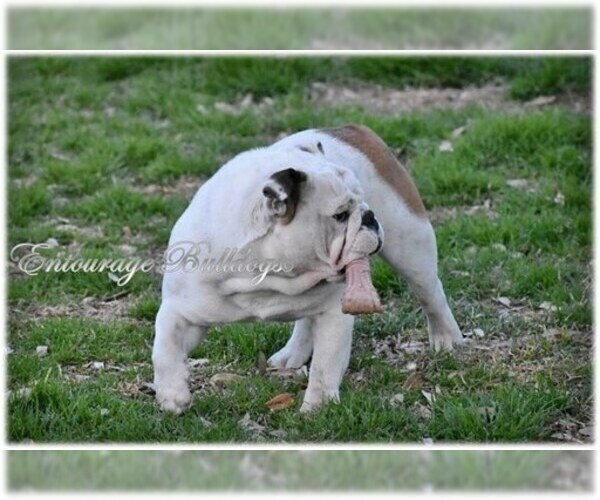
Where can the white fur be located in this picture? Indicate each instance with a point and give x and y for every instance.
(229, 211)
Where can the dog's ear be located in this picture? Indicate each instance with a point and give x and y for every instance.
(282, 193)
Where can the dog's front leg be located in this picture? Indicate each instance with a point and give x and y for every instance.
(175, 338)
(331, 354)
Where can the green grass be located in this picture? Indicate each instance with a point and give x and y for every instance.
(300, 471)
(354, 28)
(104, 153)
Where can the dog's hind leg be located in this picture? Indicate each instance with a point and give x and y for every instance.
(410, 248)
(175, 338)
(298, 349)
(409, 245)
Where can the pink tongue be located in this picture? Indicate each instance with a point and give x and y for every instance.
(360, 296)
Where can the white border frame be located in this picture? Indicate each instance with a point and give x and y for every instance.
(220, 53)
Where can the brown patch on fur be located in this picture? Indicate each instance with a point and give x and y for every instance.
(291, 181)
(386, 164)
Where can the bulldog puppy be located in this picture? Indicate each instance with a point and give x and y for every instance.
(307, 203)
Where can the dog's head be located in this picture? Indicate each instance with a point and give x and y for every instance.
(316, 209)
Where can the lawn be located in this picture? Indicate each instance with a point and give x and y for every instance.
(104, 154)
(301, 28)
(347, 470)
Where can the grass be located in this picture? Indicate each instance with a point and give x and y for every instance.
(105, 152)
(299, 471)
(354, 28)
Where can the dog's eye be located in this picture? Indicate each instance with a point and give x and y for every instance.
(342, 216)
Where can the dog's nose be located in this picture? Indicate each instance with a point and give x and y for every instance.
(369, 220)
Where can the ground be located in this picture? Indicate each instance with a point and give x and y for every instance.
(104, 155)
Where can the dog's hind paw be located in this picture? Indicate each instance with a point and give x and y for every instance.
(288, 358)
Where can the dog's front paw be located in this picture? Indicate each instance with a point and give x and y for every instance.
(173, 398)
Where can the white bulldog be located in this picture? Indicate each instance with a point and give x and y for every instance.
(300, 206)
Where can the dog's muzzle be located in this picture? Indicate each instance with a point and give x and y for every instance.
(370, 222)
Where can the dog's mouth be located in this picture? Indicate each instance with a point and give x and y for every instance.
(379, 245)
(341, 254)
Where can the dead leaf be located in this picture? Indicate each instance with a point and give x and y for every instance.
(457, 132)
(287, 372)
(518, 183)
(445, 147)
(58, 154)
(505, 301)
(250, 425)
(194, 362)
(413, 347)
(279, 434)
(413, 381)
(478, 332)
(127, 249)
(206, 423)
(113, 277)
(225, 379)
(41, 351)
(552, 333)
(563, 436)
(246, 101)
(422, 411)
(280, 402)
(52, 243)
(458, 374)
(428, 396)
(358, 377)
(397, 399)
(541, 101)
(559, 199)
(110, 111)
(226, 108)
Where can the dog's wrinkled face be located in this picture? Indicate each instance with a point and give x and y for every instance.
(319, 211)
